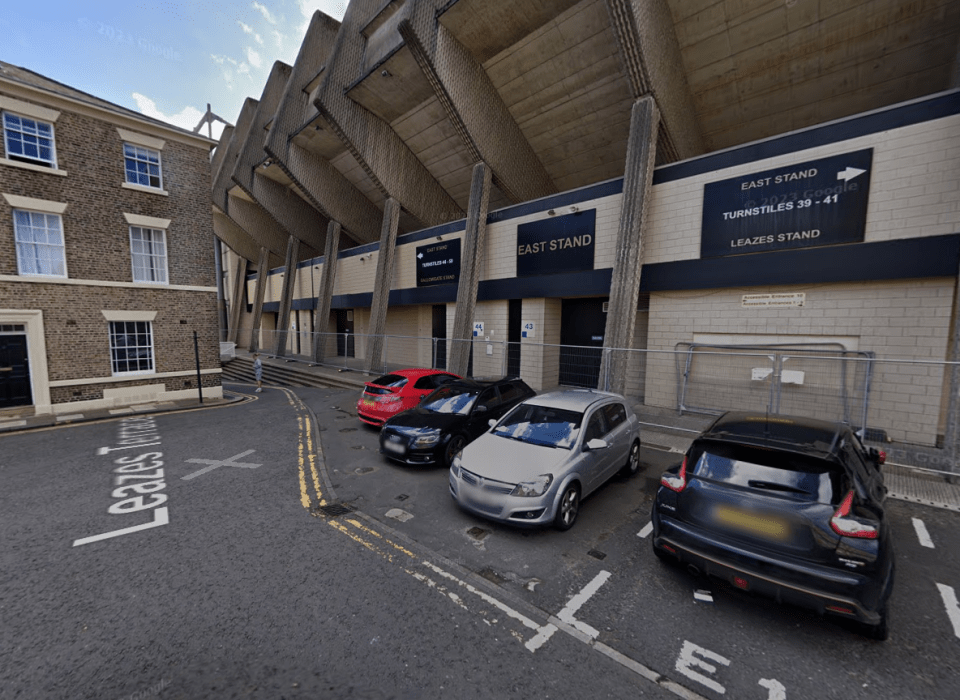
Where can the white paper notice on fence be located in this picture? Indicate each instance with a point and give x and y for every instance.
(761, 373)
(791, 376)
(773, 300)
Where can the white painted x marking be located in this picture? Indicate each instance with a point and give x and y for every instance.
(214, 464)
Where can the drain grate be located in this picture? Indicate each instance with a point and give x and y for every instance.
(596, 554)
(333, 510)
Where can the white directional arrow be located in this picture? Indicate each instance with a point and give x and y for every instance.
(849, 173)
(419, 255)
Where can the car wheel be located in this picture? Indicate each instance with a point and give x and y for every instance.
(568, 508)
(881, 630)
(457, 443)
(633, 460)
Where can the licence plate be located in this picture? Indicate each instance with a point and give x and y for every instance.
(366, 402)
(752, 523)
(394, 447)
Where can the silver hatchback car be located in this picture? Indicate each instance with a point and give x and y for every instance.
(536, 463)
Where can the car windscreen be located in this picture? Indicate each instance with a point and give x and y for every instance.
(541, 425)
(773, 472)
(450, 399)
(385, 383)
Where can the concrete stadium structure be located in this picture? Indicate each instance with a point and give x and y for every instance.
(614, 184)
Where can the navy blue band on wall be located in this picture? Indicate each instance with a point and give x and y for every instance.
(905, 258)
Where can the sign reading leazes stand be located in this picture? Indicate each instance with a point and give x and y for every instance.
(558, 244)
(438, 263)
(820, 202)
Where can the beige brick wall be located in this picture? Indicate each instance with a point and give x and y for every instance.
(540, 356)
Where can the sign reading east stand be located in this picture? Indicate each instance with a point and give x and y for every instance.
(558, 244)
(817, 203)
(438, 263)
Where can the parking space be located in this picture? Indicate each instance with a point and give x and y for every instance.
(601, 577)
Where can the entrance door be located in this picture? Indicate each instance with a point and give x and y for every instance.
(513, 337)
(582, 324)
(345, 340)
(14, 371)
(439, 336)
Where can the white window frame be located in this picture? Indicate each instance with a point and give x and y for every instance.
(158, 261)
(141, 154)
(20, 157)
(17, 233)
(118, 328)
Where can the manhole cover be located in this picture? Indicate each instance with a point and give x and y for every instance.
(596, 554)
(363, 470)
(333, 510)
(477, 533)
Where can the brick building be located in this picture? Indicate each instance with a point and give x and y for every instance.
(106, 256)
(604, 185)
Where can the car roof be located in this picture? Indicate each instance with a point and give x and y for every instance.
(797, 433)
(572, 399)
(467, 383)
(416, 372)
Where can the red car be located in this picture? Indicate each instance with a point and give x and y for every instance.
(393, 393)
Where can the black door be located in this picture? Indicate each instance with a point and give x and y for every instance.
(582, 324)
(345, 340)
(513, 337)
(14, 372)
(439, 336)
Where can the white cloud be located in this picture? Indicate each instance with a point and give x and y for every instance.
(262, 9)
(186, 118)
(254, 58)
(333, 8)
(247, 29)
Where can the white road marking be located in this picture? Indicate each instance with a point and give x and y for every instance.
(922, 533)
(214, 464)
(160, 517)
(647, 529)
(703, 596)
(777, 691)
(567, 614)
(953, 609)
(687, 661)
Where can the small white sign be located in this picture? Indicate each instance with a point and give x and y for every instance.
(795, 299)
(528, 330)
(477, 329)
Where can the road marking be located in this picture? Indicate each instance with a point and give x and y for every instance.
(687, 661)
(776, 688)
(216, 464)
(953, 609)
(567, 614)
(160, 517)
(922, 533)
(647, 529)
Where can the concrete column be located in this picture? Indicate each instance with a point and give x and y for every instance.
(625, 283)
(236, 299)
(286, 295)
(951, 439)
(262, 271)
(328, 276)
(381, 288)
(470, 264)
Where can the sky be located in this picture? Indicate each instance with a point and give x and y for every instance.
(166, 59)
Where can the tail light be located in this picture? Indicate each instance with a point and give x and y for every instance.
(676, 483)
(388, 399)
(848, 526)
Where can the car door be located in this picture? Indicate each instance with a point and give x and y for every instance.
(594, 464)
(487, 406)
(618, 436)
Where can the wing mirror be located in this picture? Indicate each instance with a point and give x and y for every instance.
(597, 444)
(480, 409)
(492, 422)
(878, 456)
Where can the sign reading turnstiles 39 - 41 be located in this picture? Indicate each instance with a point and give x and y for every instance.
(820, 202)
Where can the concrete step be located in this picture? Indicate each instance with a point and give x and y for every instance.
(281, 373)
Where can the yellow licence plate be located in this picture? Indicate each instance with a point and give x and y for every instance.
(367, 402)
(752, 523)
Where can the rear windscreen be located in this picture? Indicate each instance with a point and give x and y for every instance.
(386, 383)
(770, 471)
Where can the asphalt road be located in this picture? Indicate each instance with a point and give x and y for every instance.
(245, 587)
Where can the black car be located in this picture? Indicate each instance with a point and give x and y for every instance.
(448, 419)
(787, 507)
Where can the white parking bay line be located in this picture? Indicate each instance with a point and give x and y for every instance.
(566, 615)
(647, 529)
(953, 609)
(922, 533)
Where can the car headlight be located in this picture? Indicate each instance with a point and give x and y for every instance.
(427, 439)
(456, 465)
(534, 487)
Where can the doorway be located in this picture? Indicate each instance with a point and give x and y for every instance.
(345, 339)
(14, 368)
(439, 336)
(514, 322)
(582, 324)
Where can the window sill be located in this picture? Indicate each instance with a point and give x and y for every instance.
(142, 188)
(31, 166)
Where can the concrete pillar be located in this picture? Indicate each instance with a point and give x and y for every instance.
(261, 288)
(328, 276)
(286, 295)
(470, 264)
(951, 438)
(625, 282)
(236, 299)
(381, 288)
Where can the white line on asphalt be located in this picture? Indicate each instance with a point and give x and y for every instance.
(647, 529)
(922, 533)
(567, 614)
(161, 517)
(953, 609)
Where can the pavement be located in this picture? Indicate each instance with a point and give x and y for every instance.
(662, 429)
